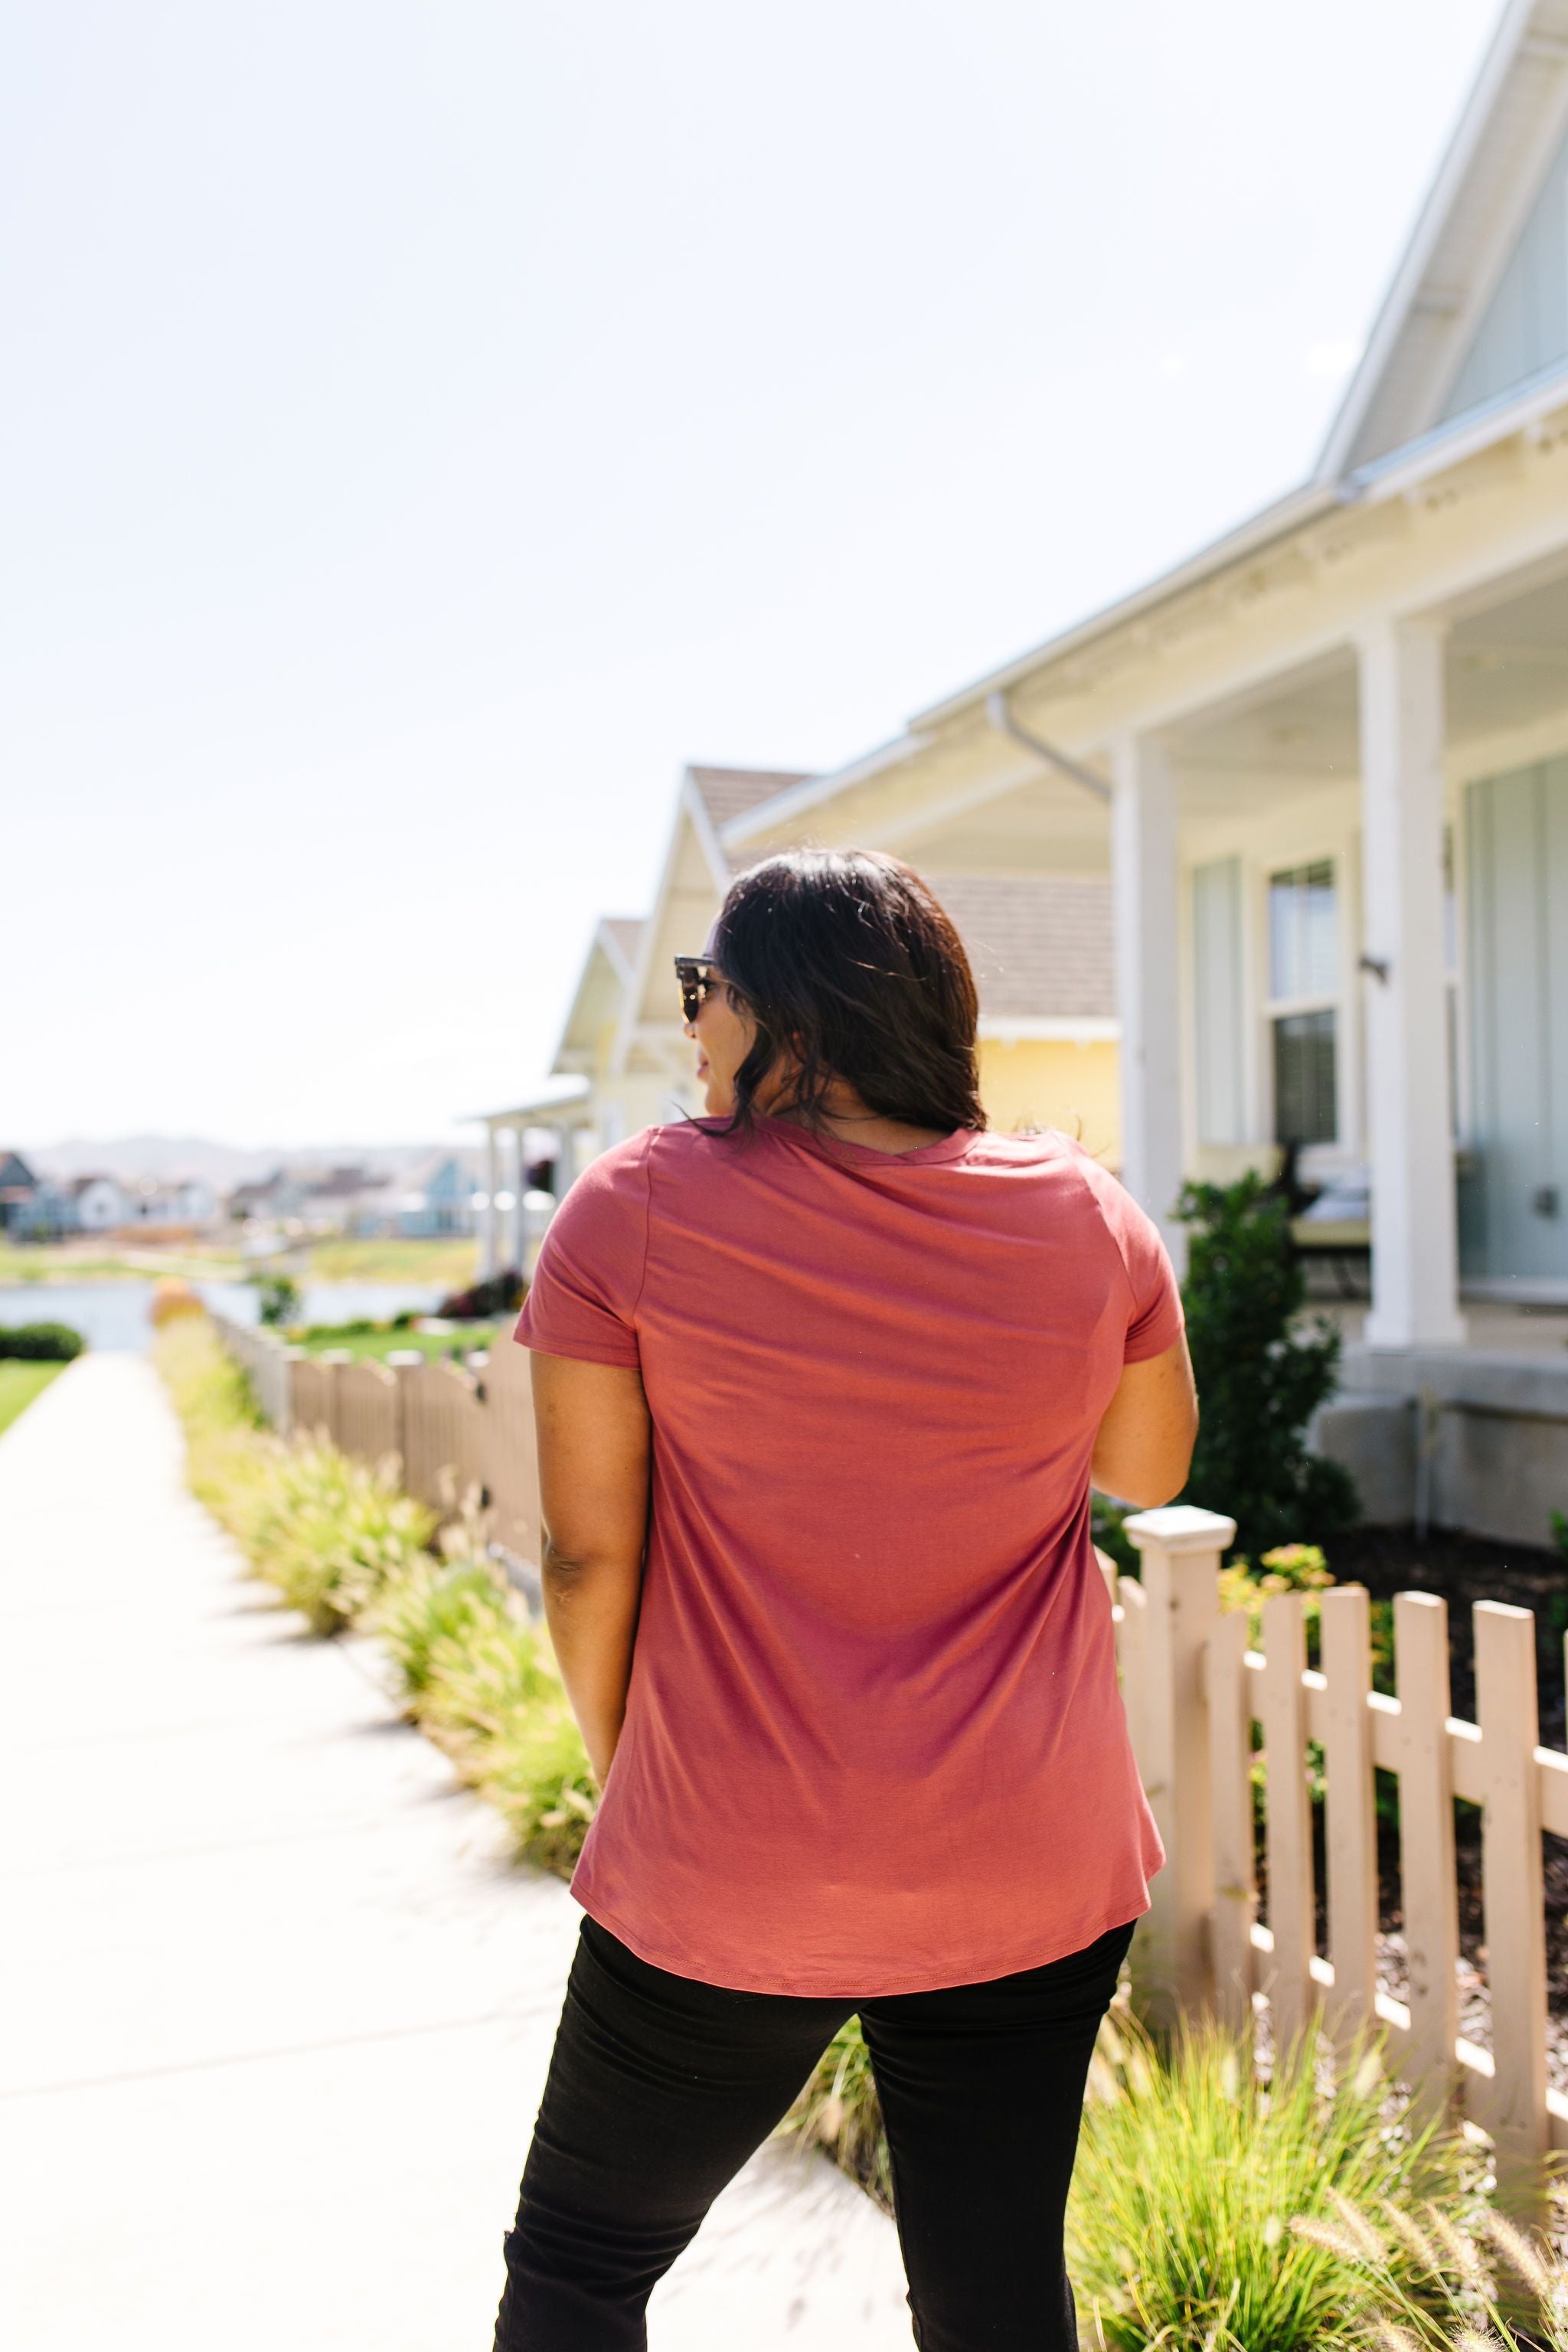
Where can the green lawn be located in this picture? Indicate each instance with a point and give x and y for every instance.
(448, 1264)
(451, 1264)
(90, 1260)
(19, 1384)
(376, 1346)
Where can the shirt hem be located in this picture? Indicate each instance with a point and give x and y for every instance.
(577, 1351)
(846, 1984)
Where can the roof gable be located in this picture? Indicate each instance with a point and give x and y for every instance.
(1417, 368)
(728, 793)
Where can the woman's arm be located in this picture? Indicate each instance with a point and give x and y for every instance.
(1145, 1443)
(594, 1450)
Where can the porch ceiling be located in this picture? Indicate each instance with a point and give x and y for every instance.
(1507, 673)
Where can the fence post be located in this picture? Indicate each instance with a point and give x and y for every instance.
(1507, 1708)
(1180, 1548)
(1428, 1887)
(400, 1362)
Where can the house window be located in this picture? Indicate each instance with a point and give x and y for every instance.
(1303, 1008)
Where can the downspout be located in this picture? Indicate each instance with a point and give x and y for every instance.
(1002, 718)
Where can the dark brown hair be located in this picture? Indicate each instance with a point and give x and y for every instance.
(848, 963)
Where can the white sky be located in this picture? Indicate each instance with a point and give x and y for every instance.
(428, 426)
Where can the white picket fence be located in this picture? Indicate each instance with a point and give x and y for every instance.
(1193, 1690)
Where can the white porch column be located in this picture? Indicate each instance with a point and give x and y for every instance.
(487, 1214)
(1414, 1240)
(1144, 878)
(516, 1215)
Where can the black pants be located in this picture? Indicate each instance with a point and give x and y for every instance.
(661, 2088)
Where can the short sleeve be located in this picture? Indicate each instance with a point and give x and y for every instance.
(1155, 1321)
(583, 1295)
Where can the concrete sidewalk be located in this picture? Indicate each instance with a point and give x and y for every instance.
(277, 2012)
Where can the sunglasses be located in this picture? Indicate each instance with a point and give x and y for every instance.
(697, 975)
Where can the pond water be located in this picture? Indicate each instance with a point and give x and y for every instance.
(113, 1315)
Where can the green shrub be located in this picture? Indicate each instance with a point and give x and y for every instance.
(1259, 1376)
(328, 1532)
(432, 1603)
(1192, 2173)
(495, 1700)
(342, 1545)
(1105, 1520)
(40, 1343)
(280, 1301)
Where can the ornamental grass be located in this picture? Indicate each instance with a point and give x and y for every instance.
(1435, 2284)
(1203, 2194)
(339, 1542)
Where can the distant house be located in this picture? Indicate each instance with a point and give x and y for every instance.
(345, 1200)
(187, 1201)
(265, 1197)
(19, 1190)
(97, 1204)
(435, 1197)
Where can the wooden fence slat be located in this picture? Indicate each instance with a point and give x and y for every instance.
(1288, 1817)
(367, 1412)
(441, 1421)
(1429, 1888)
(1131, 1659)
(1511, 1874)
(1235, 1862)
(510, 1450)
(1351, 1828)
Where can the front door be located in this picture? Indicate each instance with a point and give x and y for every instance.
(1514, 1203)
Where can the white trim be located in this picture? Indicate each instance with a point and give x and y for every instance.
(1405, 291)
(1022, 1029)
(812, 790)
(1498, 420)
(537, 1107)
(1272, 524)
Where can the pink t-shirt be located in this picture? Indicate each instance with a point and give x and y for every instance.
(874, 1741)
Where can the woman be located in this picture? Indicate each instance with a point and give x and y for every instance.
(821, 1379)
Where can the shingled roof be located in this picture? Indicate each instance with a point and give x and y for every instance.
(728, 792)
(626, 931)
(1039, 943)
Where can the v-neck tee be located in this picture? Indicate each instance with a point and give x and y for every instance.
(873, 1740)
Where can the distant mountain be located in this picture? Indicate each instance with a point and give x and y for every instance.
(163, 1158)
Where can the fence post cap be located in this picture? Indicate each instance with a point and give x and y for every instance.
(399, 1359)
(1179, 1527)
(336, 1356)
